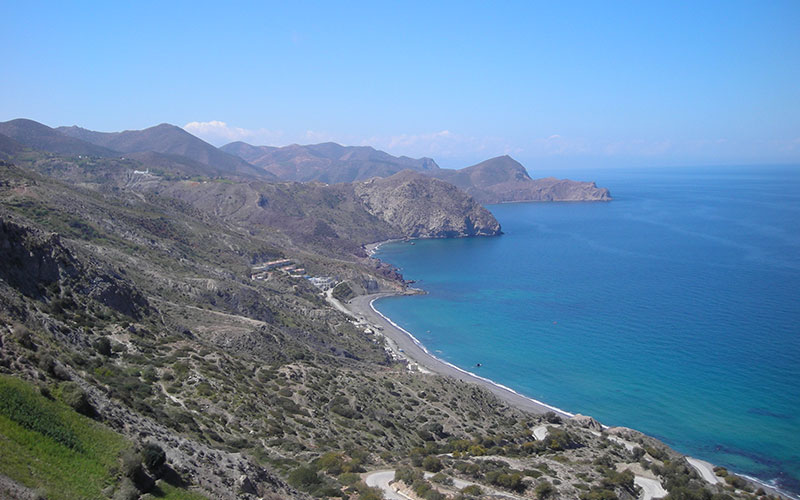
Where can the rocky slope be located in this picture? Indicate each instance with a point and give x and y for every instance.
(328, 162)
(497, 180)
(422, 207)
(250, 384)
(503, 180)
(170, 140)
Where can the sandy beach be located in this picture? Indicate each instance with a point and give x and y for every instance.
(361, 307)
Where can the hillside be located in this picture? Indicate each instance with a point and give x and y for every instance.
(169, 140)
(425, 208)
(497, 180)
(327, 162)
(503, 179)
(143, 302)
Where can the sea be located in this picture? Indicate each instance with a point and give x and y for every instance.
(673, 309)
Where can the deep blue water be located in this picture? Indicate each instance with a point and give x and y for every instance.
(674, 309)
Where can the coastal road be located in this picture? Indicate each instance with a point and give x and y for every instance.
(705, 469)
(651, 488)
(361, 306)
(381, 479)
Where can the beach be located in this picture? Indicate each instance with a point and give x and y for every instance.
(409, 347)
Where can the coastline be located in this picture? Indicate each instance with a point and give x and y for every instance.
(410, 348)
(404, 345)
(407, 345)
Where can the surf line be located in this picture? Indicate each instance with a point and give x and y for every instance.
(484, 379)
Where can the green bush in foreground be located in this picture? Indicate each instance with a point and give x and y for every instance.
(49, 447)
(24, 407)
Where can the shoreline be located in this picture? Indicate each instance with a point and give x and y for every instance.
(411, 348)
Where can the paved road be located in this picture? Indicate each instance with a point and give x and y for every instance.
(705, 469)
(380, 479)
(651, 488)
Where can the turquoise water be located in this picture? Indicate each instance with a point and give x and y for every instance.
(673, 309)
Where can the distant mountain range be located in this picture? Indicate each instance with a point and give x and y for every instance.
(497, 180)
(167, 139)
(327, 162)
(41, 137)
(173, 150)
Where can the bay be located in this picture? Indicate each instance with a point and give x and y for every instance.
(672, 309)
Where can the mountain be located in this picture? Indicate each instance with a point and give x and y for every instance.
(503, 179)
(422, 207)
(497, 180)
(43, 138)
(327, 162)
(337, 219)
(146, 347)
(171, 140)
(9, 146)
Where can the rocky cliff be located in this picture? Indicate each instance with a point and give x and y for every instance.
(422, 207)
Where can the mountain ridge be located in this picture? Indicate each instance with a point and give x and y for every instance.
(327, 162)
(167, 139)
(496, 180)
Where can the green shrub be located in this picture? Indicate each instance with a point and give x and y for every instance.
(442, 478)
(472, 490)
(349, 478)
(432, 464)
(103, 346)
(544, 490)
(153, 456)
(304, 478)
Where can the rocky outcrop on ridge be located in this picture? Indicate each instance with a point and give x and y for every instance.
(422, 207)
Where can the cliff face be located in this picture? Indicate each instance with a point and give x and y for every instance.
(503, 179)
(422, 207)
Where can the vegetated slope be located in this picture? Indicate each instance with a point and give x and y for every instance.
(171, 140)
(503, 179)
(41, 137)
(327, 162)
(237, 377)
(424, 207)
(9, 147)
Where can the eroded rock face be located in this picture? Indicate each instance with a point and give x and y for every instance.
(422, 207)
(36, 260)
(587, 422)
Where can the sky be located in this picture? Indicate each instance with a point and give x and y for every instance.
(553, 84)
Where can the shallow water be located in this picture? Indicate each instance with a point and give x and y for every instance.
(672, 310)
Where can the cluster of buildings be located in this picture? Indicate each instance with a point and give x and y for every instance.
(287, 266)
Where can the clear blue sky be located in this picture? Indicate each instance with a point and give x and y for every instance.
(552, 83)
